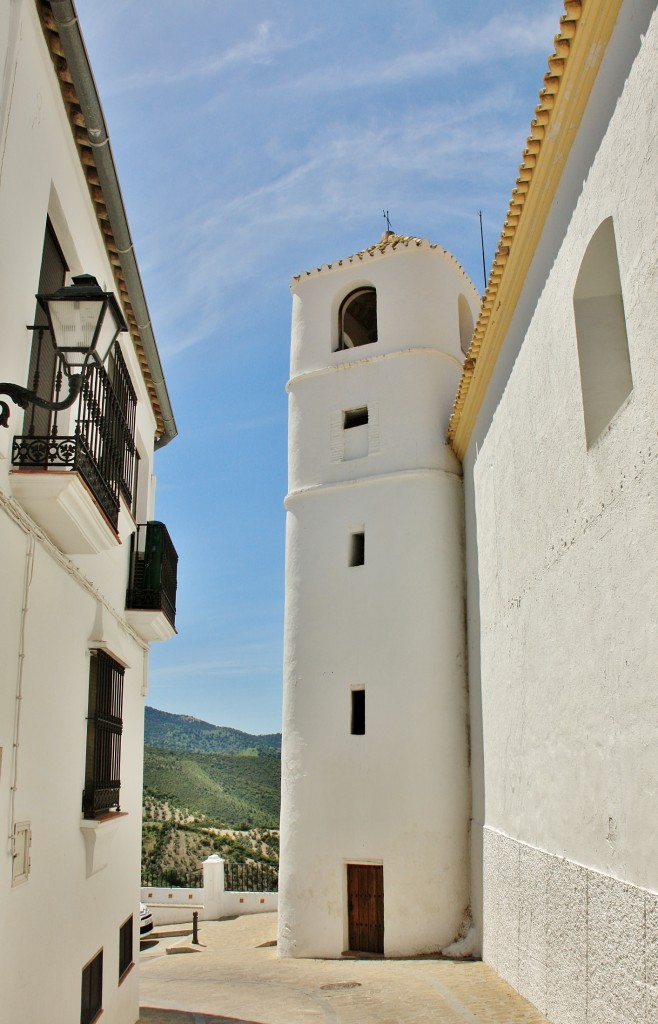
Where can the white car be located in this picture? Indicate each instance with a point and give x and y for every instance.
(145, 919)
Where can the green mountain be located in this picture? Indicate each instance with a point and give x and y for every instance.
(216, 775)
(182, 732)
(231, 790)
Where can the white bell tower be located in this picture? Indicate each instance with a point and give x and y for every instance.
(376, 796)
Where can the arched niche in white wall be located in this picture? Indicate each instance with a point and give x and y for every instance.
(465, 323)
(603, 357)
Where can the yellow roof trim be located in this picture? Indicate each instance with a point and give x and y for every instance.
(585, 31)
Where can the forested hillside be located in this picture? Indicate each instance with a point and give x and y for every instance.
(207, 788)
(183, 732)
(173, 852)
(224, 790)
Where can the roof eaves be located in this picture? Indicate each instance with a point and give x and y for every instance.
(388, 241)
(64, 40)
(585, 29)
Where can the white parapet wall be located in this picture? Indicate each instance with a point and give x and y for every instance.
(176, 904)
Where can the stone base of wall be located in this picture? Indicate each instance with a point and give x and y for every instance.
(582, 946)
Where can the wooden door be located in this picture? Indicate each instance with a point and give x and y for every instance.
(365, 907)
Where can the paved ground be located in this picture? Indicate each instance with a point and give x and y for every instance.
(237, 978)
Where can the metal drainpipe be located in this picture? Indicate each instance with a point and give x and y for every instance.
(76, 57)
(27, 580)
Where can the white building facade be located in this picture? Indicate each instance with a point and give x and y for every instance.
(88, 575)
(561, 477)
(375, 805)
(554, 424)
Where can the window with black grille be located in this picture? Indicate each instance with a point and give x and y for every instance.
(104, 727)
(91, 1003)
(122, 420)
(125, 946)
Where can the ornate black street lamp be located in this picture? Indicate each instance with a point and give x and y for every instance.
(84, 322)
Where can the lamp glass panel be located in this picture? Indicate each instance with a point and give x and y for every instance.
(74, 325)
(108, 331)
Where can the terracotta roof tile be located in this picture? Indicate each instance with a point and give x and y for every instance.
(389, 242)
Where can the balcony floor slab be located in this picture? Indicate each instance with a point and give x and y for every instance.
(150, 624)
(62, 505)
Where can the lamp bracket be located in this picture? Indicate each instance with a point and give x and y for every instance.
(22, 397)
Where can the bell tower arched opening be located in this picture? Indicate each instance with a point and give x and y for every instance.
(357, 319)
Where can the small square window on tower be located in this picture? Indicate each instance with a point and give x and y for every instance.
(358, 713)
(355, 417)
(357, 554)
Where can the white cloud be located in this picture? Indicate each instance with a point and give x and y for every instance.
(454, 52)
(261, 48)
(252, 660)
(344, 169)
(341, 173)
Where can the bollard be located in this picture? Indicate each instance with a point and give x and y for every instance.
(195, 926)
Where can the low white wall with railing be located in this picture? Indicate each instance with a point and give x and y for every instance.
(175, 905)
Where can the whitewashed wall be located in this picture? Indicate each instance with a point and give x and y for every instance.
(84, 881)
(562, 606)
(398, 795)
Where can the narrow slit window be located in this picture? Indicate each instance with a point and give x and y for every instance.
(355, 417)
(357, 548)
(358, 712)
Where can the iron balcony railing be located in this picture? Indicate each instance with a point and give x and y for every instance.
(153, 571)
(102, 448)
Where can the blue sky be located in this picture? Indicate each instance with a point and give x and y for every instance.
(255, 140)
